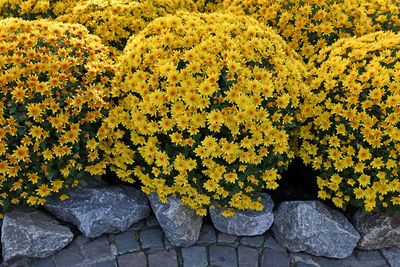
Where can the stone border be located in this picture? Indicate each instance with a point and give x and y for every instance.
(144, 244)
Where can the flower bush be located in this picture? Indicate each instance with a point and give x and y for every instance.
(53, 83)
(35, 9)
(310, 25)
(206, 110)
(208, 5)
(116, 20)
(353, 136)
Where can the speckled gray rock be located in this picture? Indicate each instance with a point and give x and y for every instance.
(101, 209)
(246, 222)
(312, 227)
(28, 232)
(181, 225)
(378, 230)
(392, 255)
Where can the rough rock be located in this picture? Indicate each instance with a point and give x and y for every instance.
(312, 227)
(392, 255)
(31, 233)
(181, 225)
(245, 222)
(101, 209)
(377, 230)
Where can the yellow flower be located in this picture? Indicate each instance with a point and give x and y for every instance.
(43, 190)
(21, 153)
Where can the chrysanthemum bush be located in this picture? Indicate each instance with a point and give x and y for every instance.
(54, 80)
(208, 5)
(206, 110)
(310, 25)
(35, 9)
(114, 21)
(353, 138)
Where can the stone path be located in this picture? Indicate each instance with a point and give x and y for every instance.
(144, 245)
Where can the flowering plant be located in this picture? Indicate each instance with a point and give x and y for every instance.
(53, 84)
(353, 135)
(116, 20)
(206, 109)
(35, 9)
(310, 25)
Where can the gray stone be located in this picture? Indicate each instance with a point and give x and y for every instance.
(195, 256)
(98, 248)
(392, 255)
(246, 222)
(207, 235)
(274, 258)
(271, 243)
(111, 263)
(223, 256)
(312, 227)
(137, 259)
(226, 238)
(327, 262)
(167, 244)
(163, 258)
(151, 221)
(151, 238)
(351, 261)
(127, 242)
(181, 225)
(28, 232)
(371, 255)
(252, 241)
(137, 226)
(70, 255)
(302, 259)
(377, 230)
(102, 209)
(248, 257)
(46, 262)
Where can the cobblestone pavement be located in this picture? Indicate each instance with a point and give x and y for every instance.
(144, 245)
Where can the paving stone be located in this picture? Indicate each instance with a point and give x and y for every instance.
(248, 257)
(105, 264)
(151, 238)
(372, 257)
(136, 259)
(69, 256)
(303, 264)
(195, 256)
(96, 248)
(46, 262)
(302, 259)
(271, 243)
(223, 256)
(392, 255)
(207, 235)
(167, 244)
(252, 241)
(127, 242)
(137, 226)
(272, 258)
(167, 258)
(352, 261)
(226, 238)
(327, 262)
(152, 221)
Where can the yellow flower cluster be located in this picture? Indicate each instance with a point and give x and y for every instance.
(310, 25)
(114, 21)
(353, 138)
(208, 6)
(206, 109)
(53, 81)
(35, 9)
